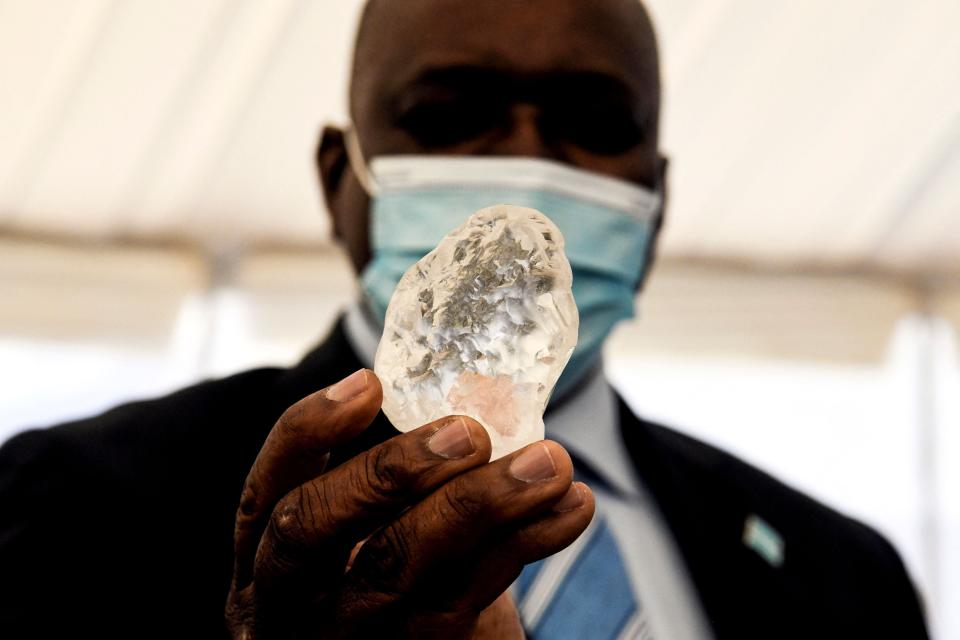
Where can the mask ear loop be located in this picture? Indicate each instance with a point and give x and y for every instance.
(357, 163)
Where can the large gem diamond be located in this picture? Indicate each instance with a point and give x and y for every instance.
(481, 326)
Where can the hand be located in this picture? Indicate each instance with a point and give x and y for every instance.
(438, 533)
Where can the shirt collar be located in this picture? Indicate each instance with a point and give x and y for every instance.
(587, 423)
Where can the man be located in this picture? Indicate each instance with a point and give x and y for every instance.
(279, 498)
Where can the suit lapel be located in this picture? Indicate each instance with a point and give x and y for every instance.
(739, 590)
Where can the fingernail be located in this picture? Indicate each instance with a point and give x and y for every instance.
(572, 499)
(348, 388)
(452, 441)
(535, 463)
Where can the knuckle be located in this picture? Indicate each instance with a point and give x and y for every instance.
(321, 507)
(462, 501)
(299, 427)
(239, 615)
(290, 423)
(286, 526)
(249, 507)
(383, 562)
(387, 470)
(248, 503)
(360, 608)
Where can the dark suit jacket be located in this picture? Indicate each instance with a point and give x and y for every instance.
(121, 525)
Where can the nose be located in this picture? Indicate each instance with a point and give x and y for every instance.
(523, 136)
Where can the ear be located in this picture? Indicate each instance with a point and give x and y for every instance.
(332, 162)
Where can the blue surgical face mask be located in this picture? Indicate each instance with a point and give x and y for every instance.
(607, 224)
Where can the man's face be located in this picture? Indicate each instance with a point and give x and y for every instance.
(569, 80)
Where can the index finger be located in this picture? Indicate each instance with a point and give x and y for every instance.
(296, 450)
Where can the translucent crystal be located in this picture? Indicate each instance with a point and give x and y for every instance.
(481, 326)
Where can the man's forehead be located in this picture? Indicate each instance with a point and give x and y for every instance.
(401, 39)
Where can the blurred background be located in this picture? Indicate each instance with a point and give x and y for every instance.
(160, 224)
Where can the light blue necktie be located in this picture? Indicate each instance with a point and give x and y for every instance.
(582, 592)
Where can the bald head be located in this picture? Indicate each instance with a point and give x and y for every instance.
(630, 19)
(576, 81)
(397, 38)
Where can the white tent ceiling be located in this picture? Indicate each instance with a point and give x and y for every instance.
(824, 133)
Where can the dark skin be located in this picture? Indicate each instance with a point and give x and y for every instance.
(402, 540)
(570, 80)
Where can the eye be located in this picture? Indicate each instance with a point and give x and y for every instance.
(447, 122)
(596, 125)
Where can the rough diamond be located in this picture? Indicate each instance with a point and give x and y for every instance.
(481, 326)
